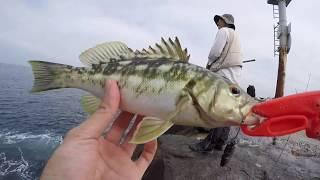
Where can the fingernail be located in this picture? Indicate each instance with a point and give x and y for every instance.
(107, 83)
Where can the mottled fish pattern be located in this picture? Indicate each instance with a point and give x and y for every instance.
(158, 83)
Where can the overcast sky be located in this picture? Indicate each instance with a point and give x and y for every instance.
(60, 30)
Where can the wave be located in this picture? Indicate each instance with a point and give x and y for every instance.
(23, 155)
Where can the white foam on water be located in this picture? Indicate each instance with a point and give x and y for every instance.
(20, 167)
(13, 138)
(21, 163)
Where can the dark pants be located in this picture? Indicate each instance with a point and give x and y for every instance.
(216, 138)
(219, 136)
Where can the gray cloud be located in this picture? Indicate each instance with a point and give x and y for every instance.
(60, 30)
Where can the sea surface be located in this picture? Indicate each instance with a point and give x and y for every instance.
(32, 125)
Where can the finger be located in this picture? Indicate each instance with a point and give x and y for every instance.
(129, 147)
(94, 126)
(131, 124)
(118, 127)
(147, 155)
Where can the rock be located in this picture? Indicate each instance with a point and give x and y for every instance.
(174, 161)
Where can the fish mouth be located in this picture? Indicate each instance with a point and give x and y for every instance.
(253, 120)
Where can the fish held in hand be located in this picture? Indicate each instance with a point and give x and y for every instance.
(157, 83)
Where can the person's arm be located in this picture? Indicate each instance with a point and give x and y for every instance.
(219, 44)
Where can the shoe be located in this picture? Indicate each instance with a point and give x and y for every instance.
(214, 140)
(203, 146)
(219, 144)
(218, 147)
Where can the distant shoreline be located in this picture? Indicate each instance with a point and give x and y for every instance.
(19, 65)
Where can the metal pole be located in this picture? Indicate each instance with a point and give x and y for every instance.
(283, 48)
(283, 23)
(282, 52)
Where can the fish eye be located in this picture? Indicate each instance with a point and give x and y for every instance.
(235, 91)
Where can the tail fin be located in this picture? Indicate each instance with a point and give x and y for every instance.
(47, 75)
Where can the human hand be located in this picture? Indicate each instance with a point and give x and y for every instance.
(85, 154)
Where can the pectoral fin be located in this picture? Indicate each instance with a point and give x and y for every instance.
(150, 128)
(90, 103)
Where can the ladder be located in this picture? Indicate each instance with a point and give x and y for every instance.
(276, 31)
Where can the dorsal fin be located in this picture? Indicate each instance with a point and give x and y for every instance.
(106, 52)
(116, 51)
(169, 49)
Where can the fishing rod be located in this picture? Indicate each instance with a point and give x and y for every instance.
(250, 60)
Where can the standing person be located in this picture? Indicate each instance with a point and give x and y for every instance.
(225, 58)
(251, 90)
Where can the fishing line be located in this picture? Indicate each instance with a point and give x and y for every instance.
(229, 150)
(236, 136)
(278, 159)
(230, 147)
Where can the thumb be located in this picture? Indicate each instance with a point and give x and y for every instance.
(94, 126)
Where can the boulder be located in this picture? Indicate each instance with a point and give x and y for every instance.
(254, 158)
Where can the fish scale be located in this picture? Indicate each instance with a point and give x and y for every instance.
(146, 70)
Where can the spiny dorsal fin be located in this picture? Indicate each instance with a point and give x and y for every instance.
(105, 53)
(170, 50)
(117, 51)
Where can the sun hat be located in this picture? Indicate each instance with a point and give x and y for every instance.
(228, 18)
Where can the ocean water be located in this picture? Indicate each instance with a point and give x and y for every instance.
(32, 125)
